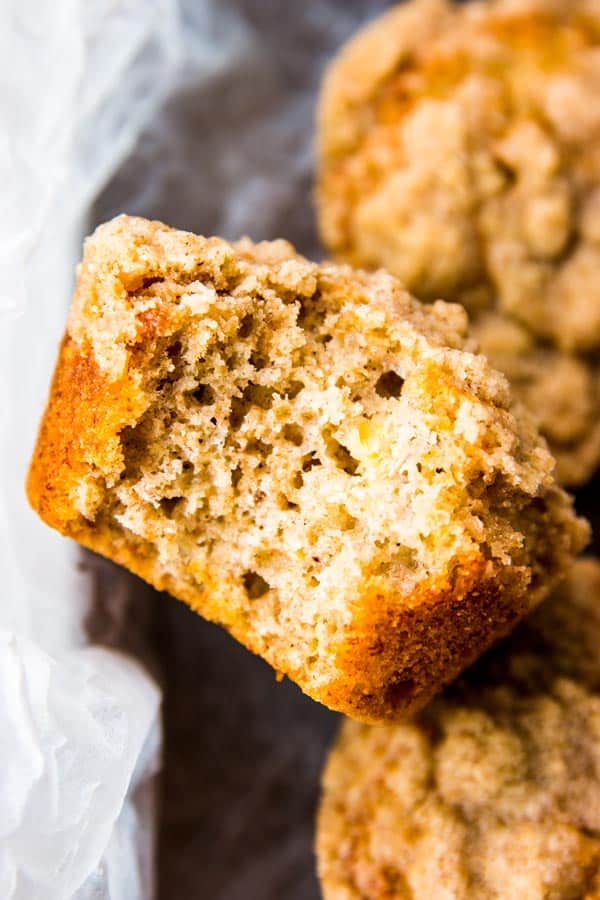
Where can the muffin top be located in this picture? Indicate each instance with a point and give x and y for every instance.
(458, 149)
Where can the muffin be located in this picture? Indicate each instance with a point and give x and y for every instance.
(494, 789)
(304, 454)
(459, 148)
(561, 389)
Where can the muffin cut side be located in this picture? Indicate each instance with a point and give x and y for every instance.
(304, 455)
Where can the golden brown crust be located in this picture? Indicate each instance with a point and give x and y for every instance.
(458, 149)
(84, 415)
(395, 647)
(494, 789)
(482, 605)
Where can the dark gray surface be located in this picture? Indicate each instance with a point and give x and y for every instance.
(243, 759)
(232, 155)
(588, 504)
(232, 152)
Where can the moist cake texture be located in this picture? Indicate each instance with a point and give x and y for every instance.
(494, 790)
(304, 454)
(459, 148)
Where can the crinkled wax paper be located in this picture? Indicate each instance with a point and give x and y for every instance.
(75, 736)
(79, 726)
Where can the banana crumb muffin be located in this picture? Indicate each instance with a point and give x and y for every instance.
(459, 148)
(562, 389)
(304, 454)
(494, 790)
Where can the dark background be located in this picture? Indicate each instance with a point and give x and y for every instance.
(231, 153)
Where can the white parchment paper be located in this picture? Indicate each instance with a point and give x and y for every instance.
(79, 727)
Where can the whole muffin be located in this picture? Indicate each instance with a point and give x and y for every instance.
(459, 148)
(494, 790)
(304, 454)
